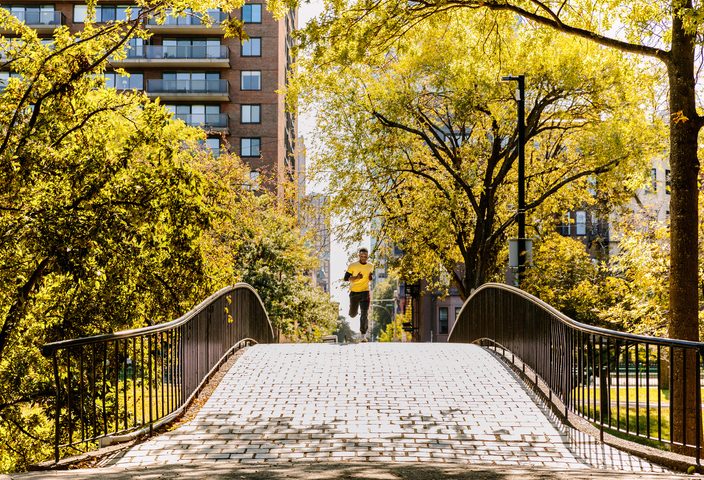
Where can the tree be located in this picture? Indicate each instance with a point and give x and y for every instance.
(393, 331)
(343, 331)
(383, 307)
(275, 261)
(666, 32)
(423, 138)
(111, 215)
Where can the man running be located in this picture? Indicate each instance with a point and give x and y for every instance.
(359, 274)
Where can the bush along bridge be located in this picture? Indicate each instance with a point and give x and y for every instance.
(641, 390)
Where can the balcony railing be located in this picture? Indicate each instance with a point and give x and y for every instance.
(35, 19)
(218, 52)
(190, 19)
(211, 120)
(188, 86)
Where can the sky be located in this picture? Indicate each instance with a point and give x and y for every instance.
(339, 256)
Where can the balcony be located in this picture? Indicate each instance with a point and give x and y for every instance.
(169, 56)
(205, 90)
(42, 22)
(211, 122)
(188, 24)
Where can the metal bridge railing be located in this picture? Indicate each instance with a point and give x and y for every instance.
(632, 386)
(116, 386)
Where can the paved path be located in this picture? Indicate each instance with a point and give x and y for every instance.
(434, 403)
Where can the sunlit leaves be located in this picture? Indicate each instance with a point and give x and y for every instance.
(421, 139)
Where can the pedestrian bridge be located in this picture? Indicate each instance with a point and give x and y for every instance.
(472, 401)
(378, 402)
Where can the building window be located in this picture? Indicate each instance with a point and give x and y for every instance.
(252, 47)
(105, 13)
(193, 82)
(566, 227)
(654, 180)
(252, 13)
(39, 15)
(442, 321)
(135, 48)
(191, 48)
(250, 147)
(79, 13)
(251, 80)
(198, 115)
(667, 182)
(124, 82)
(580, 222)
(250, 114)
(213, 144)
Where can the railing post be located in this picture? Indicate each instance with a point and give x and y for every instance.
(149, 359)
(604, 394)
(57, 415)
(699, 407)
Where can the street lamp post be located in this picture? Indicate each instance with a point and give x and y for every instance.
(521, 214)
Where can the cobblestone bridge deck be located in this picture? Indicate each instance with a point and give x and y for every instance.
(373, 404)
(378, 402)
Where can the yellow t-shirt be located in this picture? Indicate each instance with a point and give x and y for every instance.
(361, 285)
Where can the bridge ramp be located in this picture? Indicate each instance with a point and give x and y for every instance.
(376, 402)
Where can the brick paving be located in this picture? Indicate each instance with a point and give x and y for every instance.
(415, 403)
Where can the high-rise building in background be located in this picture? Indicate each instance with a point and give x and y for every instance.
(316, 222)
(223, 85)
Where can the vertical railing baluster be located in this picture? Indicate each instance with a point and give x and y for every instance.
(124, 383)
(134, 382)
(684, 396)
(647, 390)
(603, 394)
(93, 399)
(104, 381)
(162, 356)
(57, 413)
(117, 385)
(698, 399)
(141, 374)
(637, 368)
(69, 424)
(149, 370)
(170, 370)
(671, 391)
(81, 408)
(659, 354)
(628, 406)
(595, 376)
(618, 384)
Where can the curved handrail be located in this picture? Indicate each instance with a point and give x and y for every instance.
(574, 323)
(49, 348)
(115, 386)
(637, 385)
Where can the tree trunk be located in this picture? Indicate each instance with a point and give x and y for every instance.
(684, 164)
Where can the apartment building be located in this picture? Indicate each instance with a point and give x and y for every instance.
(223, 85)
(601, 234)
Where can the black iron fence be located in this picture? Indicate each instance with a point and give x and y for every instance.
(632, 386)
(116, 386)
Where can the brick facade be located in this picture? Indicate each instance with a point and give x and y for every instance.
(276, 129)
